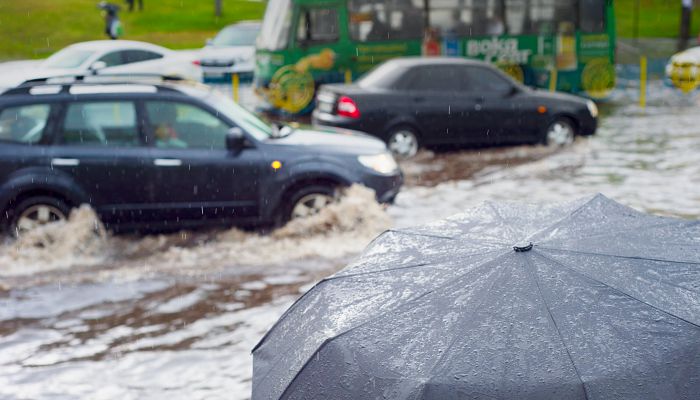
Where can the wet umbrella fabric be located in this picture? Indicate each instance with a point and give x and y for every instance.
(606, 304)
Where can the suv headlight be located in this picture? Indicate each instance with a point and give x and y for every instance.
(383, 163)
(592, 108)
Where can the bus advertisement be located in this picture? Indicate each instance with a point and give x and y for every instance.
(566, 45)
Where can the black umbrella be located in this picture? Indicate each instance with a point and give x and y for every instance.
(585, 300)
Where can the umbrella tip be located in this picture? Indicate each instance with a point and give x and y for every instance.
(523, 247)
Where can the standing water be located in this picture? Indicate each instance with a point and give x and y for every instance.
(102, 317)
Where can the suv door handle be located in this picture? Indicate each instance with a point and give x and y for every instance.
(65, 162)
(167, 162)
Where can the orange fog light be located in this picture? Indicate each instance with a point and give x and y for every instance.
(541, 109)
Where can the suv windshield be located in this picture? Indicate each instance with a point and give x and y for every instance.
(68, 58)
(236, 36)
(276, 23)
(260, 129)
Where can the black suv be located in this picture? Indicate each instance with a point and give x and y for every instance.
(159, 155)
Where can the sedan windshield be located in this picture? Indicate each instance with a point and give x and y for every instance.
(236, 36)
(68, 58)
(248, 121)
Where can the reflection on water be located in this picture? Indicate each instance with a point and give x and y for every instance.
(176, 315)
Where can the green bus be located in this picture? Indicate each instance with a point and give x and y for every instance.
(566, 45)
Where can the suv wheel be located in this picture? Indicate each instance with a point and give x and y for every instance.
(309, 201)
(403, 142)
(559, 133)
(37, 211)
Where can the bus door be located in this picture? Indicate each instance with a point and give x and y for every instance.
(381, 30)
(315, 56)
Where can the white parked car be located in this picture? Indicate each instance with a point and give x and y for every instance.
(107, 57)
(683, 69)
(232, 51)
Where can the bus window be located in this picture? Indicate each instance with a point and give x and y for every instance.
(467, 17)
(375, 20)
(552, 16)
(274, 33)
(592, 16)
(516, 16)
(318, 25)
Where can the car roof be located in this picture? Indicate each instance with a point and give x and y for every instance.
(102, 45)
(418, 60)
(41, 90)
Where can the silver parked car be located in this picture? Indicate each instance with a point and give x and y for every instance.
(232, 51)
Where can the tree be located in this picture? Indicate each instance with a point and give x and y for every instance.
(217, 8)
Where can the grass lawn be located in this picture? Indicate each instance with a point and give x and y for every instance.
(37, 28)
(657, 18)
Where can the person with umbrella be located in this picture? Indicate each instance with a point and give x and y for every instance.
(113, 27)
(583, 300)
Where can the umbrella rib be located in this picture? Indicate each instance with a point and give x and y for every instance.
(420, 234)
(617, 290)
(379, 271)
(619, 256)
(503, 220)
(323, 281)
(556, 327)
(560, 221)
(453, 341)
(382, 315)
(615, 233)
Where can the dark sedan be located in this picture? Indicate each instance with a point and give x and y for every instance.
(413, 102)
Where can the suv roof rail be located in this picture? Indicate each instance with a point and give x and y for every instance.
(62, 83)
(105, 78)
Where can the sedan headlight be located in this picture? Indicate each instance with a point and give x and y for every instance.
(592, 108)
(383, 163)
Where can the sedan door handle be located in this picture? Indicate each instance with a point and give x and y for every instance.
(65, 162)
(167, 162)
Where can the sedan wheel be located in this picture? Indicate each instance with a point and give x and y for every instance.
(403, 143)
(560, 133)
(36, 216)
(311, 204)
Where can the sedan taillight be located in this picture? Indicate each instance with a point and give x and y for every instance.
(347, 107)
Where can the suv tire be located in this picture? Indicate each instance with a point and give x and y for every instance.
(307, 201)
(36, 211)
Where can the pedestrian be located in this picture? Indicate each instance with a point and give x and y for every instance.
(130, 3)
(113, 27)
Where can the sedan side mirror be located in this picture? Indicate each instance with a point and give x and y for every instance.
(97, 65)
(235, 139)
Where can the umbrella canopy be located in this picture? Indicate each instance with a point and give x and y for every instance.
(604, 304)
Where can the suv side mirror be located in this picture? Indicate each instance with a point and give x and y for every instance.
(235, 139)
(209, 41)
(97, 65)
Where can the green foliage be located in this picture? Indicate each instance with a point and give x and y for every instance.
(37, 28)
(657, 18)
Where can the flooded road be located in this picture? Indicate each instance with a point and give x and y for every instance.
(175, 316)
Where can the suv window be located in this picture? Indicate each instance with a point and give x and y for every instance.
(133, 56)
(24, 124)
(185, 126)
(104, 123)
